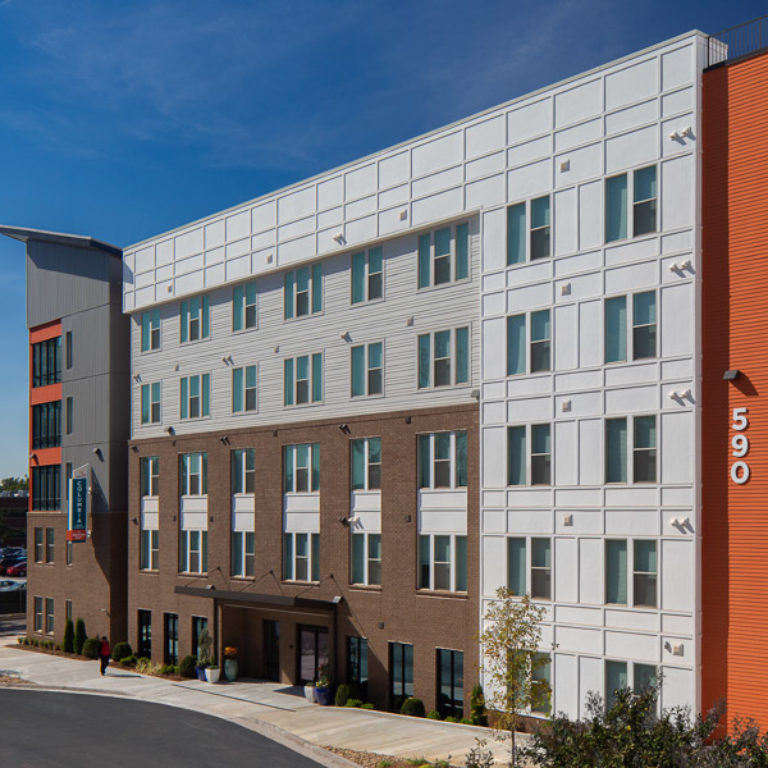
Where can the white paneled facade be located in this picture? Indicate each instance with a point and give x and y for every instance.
(560, 143)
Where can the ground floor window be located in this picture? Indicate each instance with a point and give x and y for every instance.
(171, 649)
(400, 673)
(450, 683)
(49, 615)
(144, 646)
(271, 648)
(357, 665)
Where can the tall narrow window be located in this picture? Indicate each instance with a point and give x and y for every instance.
(515, 345)
(616, 208)
(50, 548)
(303, 379)
(69, 351)
(367, 370)
(540, 341)
(540, 240)
(144, 634)
(541, 455)
(70, 418)
(615, 680)
(366, 463)
(243, 553)
(616, 451)
(542, 683)
(366, 558)
(150, 403)
(357, 663)
(644, 451)
(644, 575)
(400, 673)
(243, 470)
(644, 202)
(149, 549)
(244, 307)
(516, 567)
(195, 396)
(367, 276)
(150, 475)
(244, 389)
(49, 615)
(38, 622)
(303, 291)
(516, 234)
(643, 325)
(541, 568)
(193, 478)
(516, 470)
(150, 330)
(193, 551)
(195, 319)
(450, 683)
(301, 556)
(38, 545)
(616, 329)
(616, 571)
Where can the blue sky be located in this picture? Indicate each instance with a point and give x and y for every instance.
(122, 120)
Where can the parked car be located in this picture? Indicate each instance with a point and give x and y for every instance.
(10, 560)
(19, 569)
(6, 585)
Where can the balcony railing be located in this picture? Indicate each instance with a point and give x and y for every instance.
(738, 42)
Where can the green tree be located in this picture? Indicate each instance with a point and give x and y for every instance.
(80, 636)
(68, 643)
(511, 644)
(14, 484)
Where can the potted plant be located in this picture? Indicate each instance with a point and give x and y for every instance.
(323, 688)
(230, 663)
(202, 665)
(212, 673)
(204, 643)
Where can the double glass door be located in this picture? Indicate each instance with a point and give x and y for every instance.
(313, 653)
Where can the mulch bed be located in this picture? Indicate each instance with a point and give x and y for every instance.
(374, 760)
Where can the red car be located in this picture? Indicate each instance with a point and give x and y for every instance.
(19, 569)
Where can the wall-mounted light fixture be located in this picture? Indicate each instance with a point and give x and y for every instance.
(224, 439)
(345, 428)
(170, 430)
(339, 238)
(731, 375)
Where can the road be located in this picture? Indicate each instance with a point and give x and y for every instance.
(40, 729)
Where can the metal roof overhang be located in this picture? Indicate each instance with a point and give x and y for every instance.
(281, 601)
(25, 234)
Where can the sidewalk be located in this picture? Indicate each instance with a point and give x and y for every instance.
(276, 711)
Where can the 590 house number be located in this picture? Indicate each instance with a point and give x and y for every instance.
(740, 446)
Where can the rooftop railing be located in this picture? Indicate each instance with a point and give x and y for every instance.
(738, 42)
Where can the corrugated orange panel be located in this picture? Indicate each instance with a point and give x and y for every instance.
(735, 336)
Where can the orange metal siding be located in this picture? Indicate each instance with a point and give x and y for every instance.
(735, 336)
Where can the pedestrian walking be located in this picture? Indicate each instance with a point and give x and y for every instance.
(104, 653)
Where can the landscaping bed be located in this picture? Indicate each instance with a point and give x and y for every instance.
(374, 760)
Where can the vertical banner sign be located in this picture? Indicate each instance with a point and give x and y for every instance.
(78, 505)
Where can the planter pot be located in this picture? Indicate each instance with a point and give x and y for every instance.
(230, 670)
(309, 693)
(200, 672)
(212, 675)
(323, 695)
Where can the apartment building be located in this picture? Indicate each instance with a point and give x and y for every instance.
(78, 426)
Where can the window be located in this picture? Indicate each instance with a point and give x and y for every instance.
(539, 463)
(70, 415)
(538, 241)
(538, 347)
(367, 276)
(144, 634)
(301, 468)
(444, 255)
(443, 460)
(46, 488)
(450, 683)
(68, 354)
(400, 673)
(50, 549)
(243, 553)
(644, 677)
(443, 562)
(195, 319)
(38, 614)
(150, 330)
(199, 625)
(46, 362)
(149, 467)
(357, 663)
(367, 370)
(302, 381)
(541, 567)
(243, 470)
(38, 545)
(643, 569)
(193, 551)
(301, 556)
(244, 389)
(244, 307)
(643, 456)
(171, 646)
(195, 396)
(46, 425)
(541, 676)
(49, 615)
(643, 323)
(617, 678)
(366, 558)
(643, 204)
(70, 552)
(366, 464)
(193, 477)
(303, 291)
(68, 610)
(149, 549)
(444, 358)
(150, 403)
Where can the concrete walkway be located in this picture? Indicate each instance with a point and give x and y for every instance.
(279, 712)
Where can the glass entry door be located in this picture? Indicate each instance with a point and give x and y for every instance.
(271, 630)
(313, 653)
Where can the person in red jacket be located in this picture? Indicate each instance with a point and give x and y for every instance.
(104, 652)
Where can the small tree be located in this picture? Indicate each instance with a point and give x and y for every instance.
(68, 643)
(80, 636)
(204, 643)
(510, 643)
(477, 706)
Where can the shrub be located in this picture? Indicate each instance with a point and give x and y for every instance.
(165, 669)
(479, 756)
(91, 648)
(466, 721)
(478, 715)
(354, 703)
(129, 661)
(342, 694)
(68, 643)
(433, 714)
(121, 650)
(144, 666)
(413, 706)
(451, 719)
(80, 636)
(187, 667)
(367, 705)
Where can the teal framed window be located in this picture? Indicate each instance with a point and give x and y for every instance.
(644, 201)
(517, 573)
(642, 323)
(644, 449)
(615, 680)
(541, 568)
(443, 460)
(303, 379)
(616, 571)
(541, 679)
(243, 553)
(149, 470)
(641, 210)
(365, 559)
(244, 389)
(615, 337)
(644, 574)
(150, 331)
(616, 450)
(443, 358)
(616, 208)
(301, 556)
(443, 255)
(243, 470)
(442, 562)
(195, 396)
(529, 231)
(149, 549)
(195, 319)
(534, 468)
(193, 474)
(367, 276)
(193, 551)
(303, 291)
(301, 468)
(540, 245)
(244, 314)
(365, 455)
(150, 403)
(367, 375)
